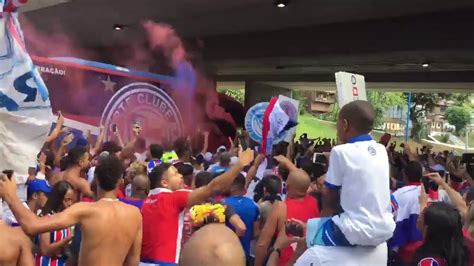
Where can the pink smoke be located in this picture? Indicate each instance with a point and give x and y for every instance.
(191, 84)
(163, 36)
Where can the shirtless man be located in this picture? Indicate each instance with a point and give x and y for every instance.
(77, 161)
(111, 230)
(15, 247)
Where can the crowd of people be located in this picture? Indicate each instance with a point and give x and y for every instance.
(354, 201)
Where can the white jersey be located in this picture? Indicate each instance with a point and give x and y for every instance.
(360, 169)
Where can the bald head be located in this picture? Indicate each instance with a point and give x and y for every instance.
(359, 115)
(140, 186)
(213, 244)
(298, 183)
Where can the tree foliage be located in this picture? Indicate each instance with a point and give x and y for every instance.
(300, 96)
(421, 103)
(458, 116)
(238, 95)
(381, 101)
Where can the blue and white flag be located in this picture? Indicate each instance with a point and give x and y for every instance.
(275, 124)
(25, 109)
(406, 218)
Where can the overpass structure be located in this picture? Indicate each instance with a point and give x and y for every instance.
(398, 45)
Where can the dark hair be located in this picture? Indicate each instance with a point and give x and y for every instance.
(239, 183)
(308, 166)
(49, 157)
(56, 197)
(186, 170)
(413, 171)
(444, 237)
(111, 147)
(156, 175)
(360, 115)
(109, 172)
(74, 156)
(279, 148)
(156, 151)
(181, 147)
(270, 184)
(283, 172)
(29, 196)
(202, 179)
(224, 158)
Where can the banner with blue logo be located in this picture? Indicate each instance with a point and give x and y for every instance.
(25, 109)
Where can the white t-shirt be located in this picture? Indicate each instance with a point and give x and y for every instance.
(361, 171)
(344, 256)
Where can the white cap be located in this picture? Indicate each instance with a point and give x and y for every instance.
(222, 147)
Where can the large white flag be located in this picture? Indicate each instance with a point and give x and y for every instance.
(25, 109)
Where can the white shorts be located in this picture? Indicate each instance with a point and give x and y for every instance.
(344, 256)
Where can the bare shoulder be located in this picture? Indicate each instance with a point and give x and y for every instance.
(131, 211)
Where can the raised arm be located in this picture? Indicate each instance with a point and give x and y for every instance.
(268, 231)
(221, 182)
(83, 186)
(455, 197)
(32, 224)
(286, 163)
(57, 130)
(253, 170)
(99, 141)
(206, 142)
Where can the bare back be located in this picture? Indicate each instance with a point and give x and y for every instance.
(110, 233)
(15, 247)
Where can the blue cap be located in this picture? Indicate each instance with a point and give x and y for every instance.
(38, 185)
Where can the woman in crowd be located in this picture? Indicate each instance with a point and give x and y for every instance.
(52, 245)
(444, 243)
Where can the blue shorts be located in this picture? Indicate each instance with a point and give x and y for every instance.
(324, 232)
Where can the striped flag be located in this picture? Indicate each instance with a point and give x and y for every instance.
(275, 123)
(25, 109)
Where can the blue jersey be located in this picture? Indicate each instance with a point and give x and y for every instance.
(249, 212)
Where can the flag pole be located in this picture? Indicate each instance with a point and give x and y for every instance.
(408, 117)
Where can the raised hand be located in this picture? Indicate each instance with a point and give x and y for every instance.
(7, 187)
(435, 177)
(60, 118)
(281, 159)
(246, 157)
(67, 139)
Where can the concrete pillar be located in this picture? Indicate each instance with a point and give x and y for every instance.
(256, 92)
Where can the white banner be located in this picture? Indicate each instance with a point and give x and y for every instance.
(350, 87)
(25, 109)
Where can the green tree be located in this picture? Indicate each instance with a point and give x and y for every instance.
(382, 101)
(300, 96)
(459, 117)
(238, 95)
(425, 102)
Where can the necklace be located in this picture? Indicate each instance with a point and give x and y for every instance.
(108, 199)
